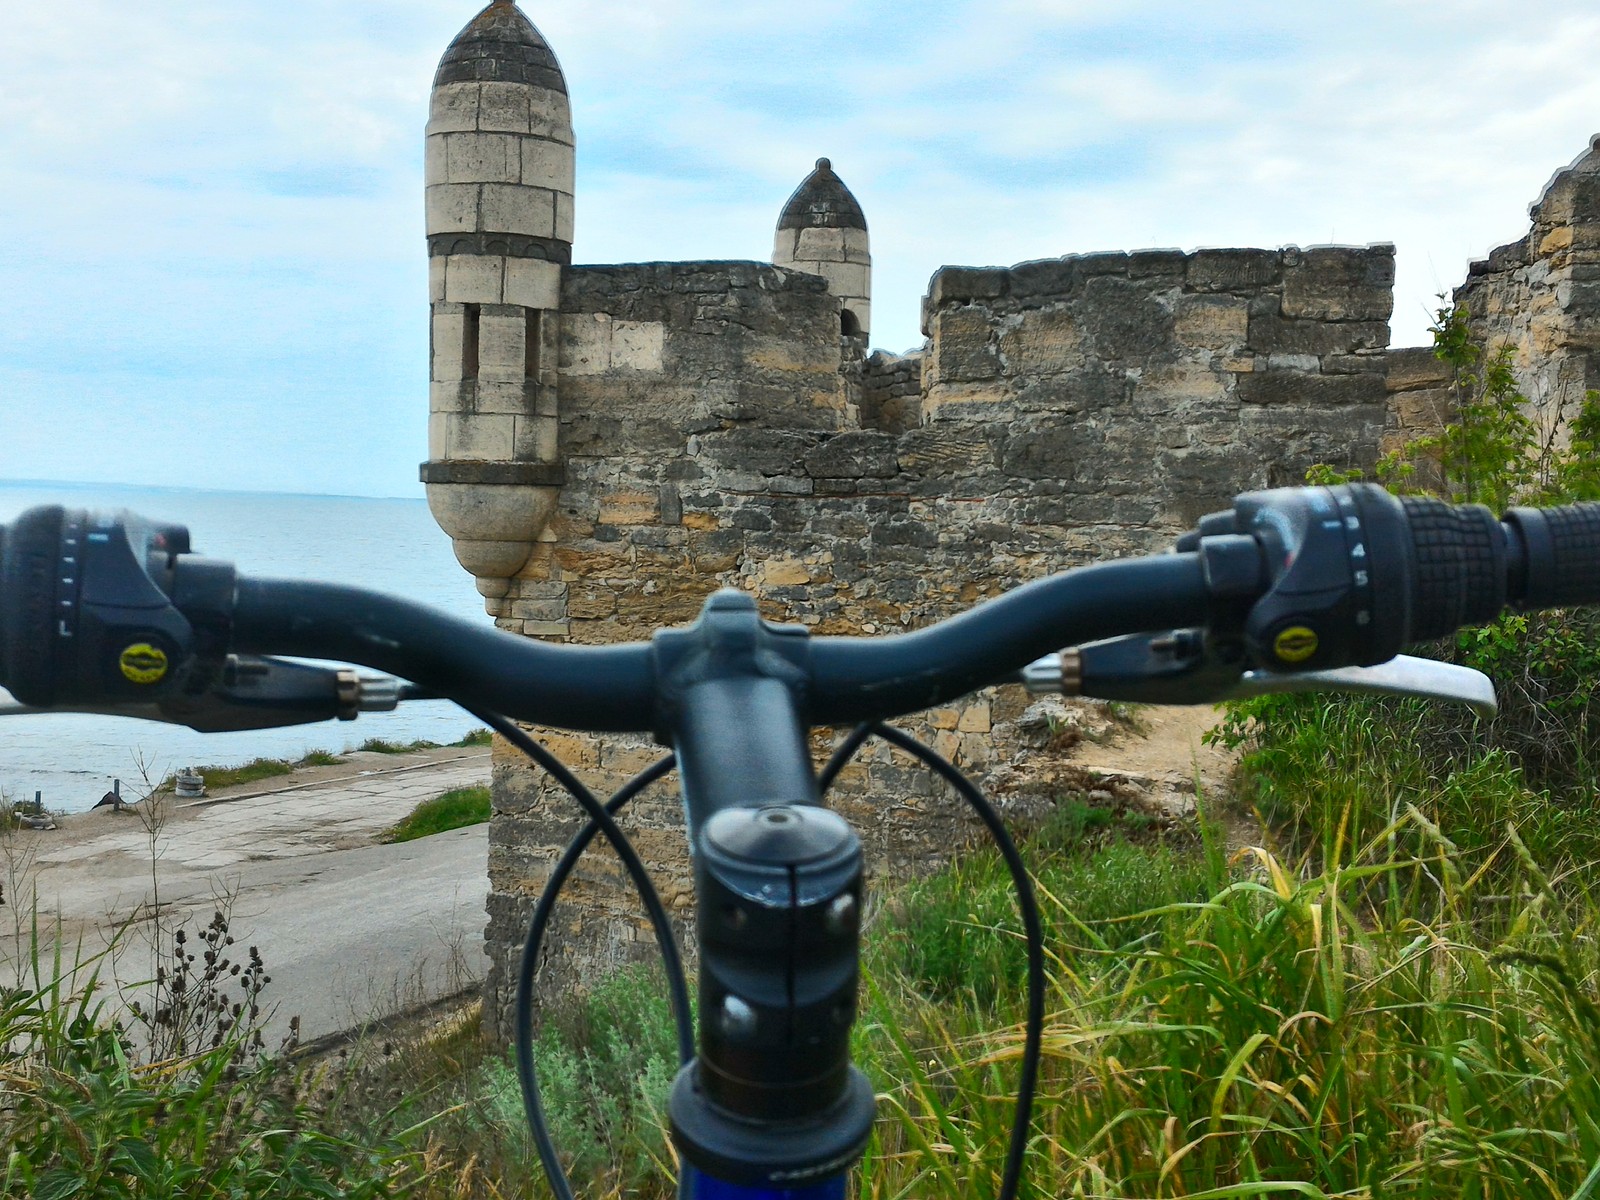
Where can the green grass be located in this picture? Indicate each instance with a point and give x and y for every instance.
(1393, 996)
(1272, 1039)
(953, 935)
(385, 746)
(453, 810)
(475, 737)
(258, 769)
(93, 1110)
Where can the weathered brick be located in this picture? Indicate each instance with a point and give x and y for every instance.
(1284, 388)
(1232, 270)
(962, 285)
(854, 455)
(1340, 283)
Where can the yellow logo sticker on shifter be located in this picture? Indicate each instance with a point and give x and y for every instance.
(143, 663)
(1295, 644)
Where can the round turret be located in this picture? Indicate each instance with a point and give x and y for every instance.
(499, 173)
(824, 232)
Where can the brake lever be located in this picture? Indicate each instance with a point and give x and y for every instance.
(257, 692)
(1402, 675)
(1184, 667)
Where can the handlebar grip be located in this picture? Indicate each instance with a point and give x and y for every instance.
(1459, 555)
(28, 554)
(1561, 555)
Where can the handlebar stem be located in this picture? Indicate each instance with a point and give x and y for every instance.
(731, 702)
(772, 1099)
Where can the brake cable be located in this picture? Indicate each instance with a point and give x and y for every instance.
(1027, 904)
(600, 819)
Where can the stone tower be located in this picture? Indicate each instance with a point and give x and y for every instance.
(823, 232)
(499, 174)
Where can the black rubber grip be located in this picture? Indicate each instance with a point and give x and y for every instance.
(1460, 566)
(27, 604)
(1562, 554)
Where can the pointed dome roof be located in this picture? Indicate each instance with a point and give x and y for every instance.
(822, 200)
(500, 45)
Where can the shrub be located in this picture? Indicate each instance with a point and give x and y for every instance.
(454, 809)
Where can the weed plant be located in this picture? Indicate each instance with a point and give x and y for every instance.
(92, 1110)
(606, 1064)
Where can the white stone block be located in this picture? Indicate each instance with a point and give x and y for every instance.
(475, 279)
(564, 216)
(533, 283)
(856, 246)
(503, 108)
(447, 334)
(550, 115)
(502, 348)
(434, 169)
(783, 247)
(478, 436)
(438, 435)
(537, 439)
(585, 344)
(483, 158)
(436, 278)
(495, 396)
(548, 164)
(819, 245)
(451, 396)
(512, 208)
(452, 208)
(637, 345)
(846, 279)
(453, 107)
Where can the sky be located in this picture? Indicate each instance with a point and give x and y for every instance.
(212, 259)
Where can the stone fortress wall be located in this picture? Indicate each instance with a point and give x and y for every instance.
(1541, 294)
(706, 424)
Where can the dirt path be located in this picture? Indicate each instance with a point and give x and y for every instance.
(1159, 750)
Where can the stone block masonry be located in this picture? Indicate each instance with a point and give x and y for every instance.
(1139, 391)
(609, 444)
(1541, 295)
(716, 429)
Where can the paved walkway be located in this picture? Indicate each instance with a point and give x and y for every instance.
(348, 929)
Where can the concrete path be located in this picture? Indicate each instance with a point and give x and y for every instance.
(348, 929)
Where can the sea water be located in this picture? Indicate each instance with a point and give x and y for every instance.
(390, 546)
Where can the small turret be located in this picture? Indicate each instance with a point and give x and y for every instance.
(499, 173)
(823, 232)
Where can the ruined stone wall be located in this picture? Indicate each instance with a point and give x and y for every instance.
(891, 392)
(1541, 295)
(716, 429)
(1142, 390)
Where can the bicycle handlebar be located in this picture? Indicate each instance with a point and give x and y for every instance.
(100, 611)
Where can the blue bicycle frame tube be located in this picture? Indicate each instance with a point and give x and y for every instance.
(704, 1187)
